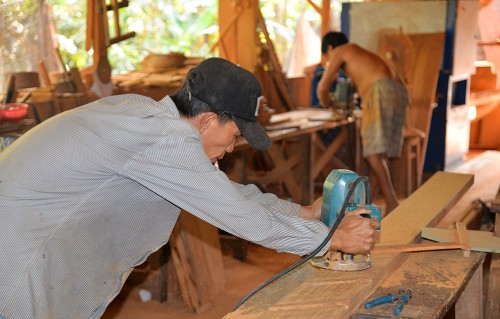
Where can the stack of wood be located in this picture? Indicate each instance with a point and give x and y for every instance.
(154, 72)
(190, 267)
(197, 260)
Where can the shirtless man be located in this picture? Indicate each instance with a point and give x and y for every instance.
(384, 99)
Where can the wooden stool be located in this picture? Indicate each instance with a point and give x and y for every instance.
(412, 155)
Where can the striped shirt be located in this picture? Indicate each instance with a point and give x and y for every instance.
(89, 194)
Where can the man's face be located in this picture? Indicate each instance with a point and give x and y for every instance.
(217, 140)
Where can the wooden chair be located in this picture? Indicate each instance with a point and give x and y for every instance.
(413, 153)
(406, 171)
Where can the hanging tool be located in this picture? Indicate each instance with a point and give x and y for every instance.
(403, 297)
(11, 90)
(97, 36)
(335, 189)
(66, 86)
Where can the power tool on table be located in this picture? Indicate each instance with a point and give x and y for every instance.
(344, 191)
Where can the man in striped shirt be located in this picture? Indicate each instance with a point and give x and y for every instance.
(90, 193)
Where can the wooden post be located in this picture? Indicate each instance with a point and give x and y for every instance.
(324, 12)
(238, 21)
(325, 17)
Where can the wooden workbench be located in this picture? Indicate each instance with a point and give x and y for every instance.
(297, 155)
(439, 281)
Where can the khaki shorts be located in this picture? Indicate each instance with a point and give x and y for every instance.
(384, 117)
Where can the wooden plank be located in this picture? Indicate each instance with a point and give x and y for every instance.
(486, 170)
(276, 71)
(43, 73)
(198, 263)
(464, 238)
(182, 269)
(381, 250)
(425, 207)
(402, 226)
(479, 240)
(423, 79)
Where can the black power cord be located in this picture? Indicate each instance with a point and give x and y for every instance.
(318, 249)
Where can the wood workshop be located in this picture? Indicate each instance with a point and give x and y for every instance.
(245, 159)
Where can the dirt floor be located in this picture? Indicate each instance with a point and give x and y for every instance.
(241, 278)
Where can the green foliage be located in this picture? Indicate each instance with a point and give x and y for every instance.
(281, 18)
(160, 26)
(19, 39)
(164, 26)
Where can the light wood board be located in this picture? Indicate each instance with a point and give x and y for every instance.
(479, 240)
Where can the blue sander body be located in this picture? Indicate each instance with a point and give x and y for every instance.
(336, 189)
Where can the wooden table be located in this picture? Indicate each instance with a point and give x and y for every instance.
(298, 149)
(17, 127)
(440, 281)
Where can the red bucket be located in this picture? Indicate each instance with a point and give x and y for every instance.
(13, 112)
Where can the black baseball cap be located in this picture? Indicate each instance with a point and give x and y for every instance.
(235, 90)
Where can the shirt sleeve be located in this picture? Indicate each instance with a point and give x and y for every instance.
(180, 172)
(270, 200)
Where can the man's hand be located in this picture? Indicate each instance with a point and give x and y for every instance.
(312, 211)
(355, 234)
(323, 93)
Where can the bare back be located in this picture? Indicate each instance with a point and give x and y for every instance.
(364, 67)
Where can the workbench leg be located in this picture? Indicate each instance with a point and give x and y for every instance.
(493, 295)
(470, 303)
(307, 181)
(358, 149)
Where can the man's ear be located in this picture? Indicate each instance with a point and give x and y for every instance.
(206, 120)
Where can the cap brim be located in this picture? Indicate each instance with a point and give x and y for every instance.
(254, 133)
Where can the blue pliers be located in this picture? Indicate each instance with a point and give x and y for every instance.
(403, 297)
